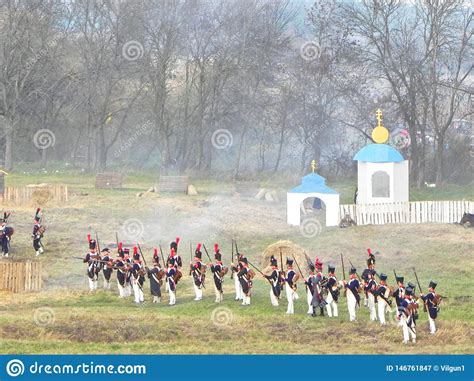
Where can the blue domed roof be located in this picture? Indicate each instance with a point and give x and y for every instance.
(379, 153)
(313, 183)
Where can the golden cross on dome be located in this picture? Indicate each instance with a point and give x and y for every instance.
(313, 165)
(380, 134)
(378, 115)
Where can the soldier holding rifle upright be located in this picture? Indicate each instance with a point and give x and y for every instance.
(432, 301)
(93, 264)
(275, 280)
(218, 272)
(352, 293)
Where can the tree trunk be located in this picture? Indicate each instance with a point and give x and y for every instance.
(8, 158)
(439, 160)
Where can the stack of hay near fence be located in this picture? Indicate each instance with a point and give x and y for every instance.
(288, 250)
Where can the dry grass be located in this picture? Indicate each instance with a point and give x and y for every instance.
(102, 323)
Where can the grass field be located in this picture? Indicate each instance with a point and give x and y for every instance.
(65, 318)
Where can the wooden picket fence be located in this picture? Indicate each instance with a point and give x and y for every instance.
(39, 195)
(415, 212)
(20, 276)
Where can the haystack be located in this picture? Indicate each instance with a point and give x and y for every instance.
(288, 249)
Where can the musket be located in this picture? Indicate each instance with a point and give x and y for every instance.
(343, 269)
(141, 253)
(358, 277)
(97, 240)
(297, 265)
(232, 272)
(419, 286)
(395, 274)
(162, 257)
(117, 241)
(343, 273)
(281, 261)
(236, 248)
(204, 246)
(260, 271)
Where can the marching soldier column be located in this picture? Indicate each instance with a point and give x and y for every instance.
(323, 292)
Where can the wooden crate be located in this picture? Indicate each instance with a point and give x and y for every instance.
(20, 276)
(108, 180)
(173, 184)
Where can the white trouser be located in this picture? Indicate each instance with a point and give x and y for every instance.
(172, 297)
(372, 310)
(92, 284)
(246, 300)
(238, 288)
(407, 330)
(351, 305)
(273, 298)
(432, 325)
(137, 292)
(366, 301)
(382, 308)
(219, 295)
(127, 289)
(198, 292)
(309, 298)
(121, 289)
(331, 306)
(291, 295)
(106, 284)
(156, 299)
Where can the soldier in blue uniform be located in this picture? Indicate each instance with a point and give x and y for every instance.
(239, 295)
(275, 280)
(370, 287)
(137, 277)
(245, 276)
(171, 281)
(198, 271)
(155, 275)
(399, 293)
(432, 300)
(291, 278)
(107, 267)
(352, 293)
(5, 234)
(218, 272)
(366, 274)
(121, 266)
(383, 292)
(93, 265)
(332, 288)
(38, 232)
(407, 314)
